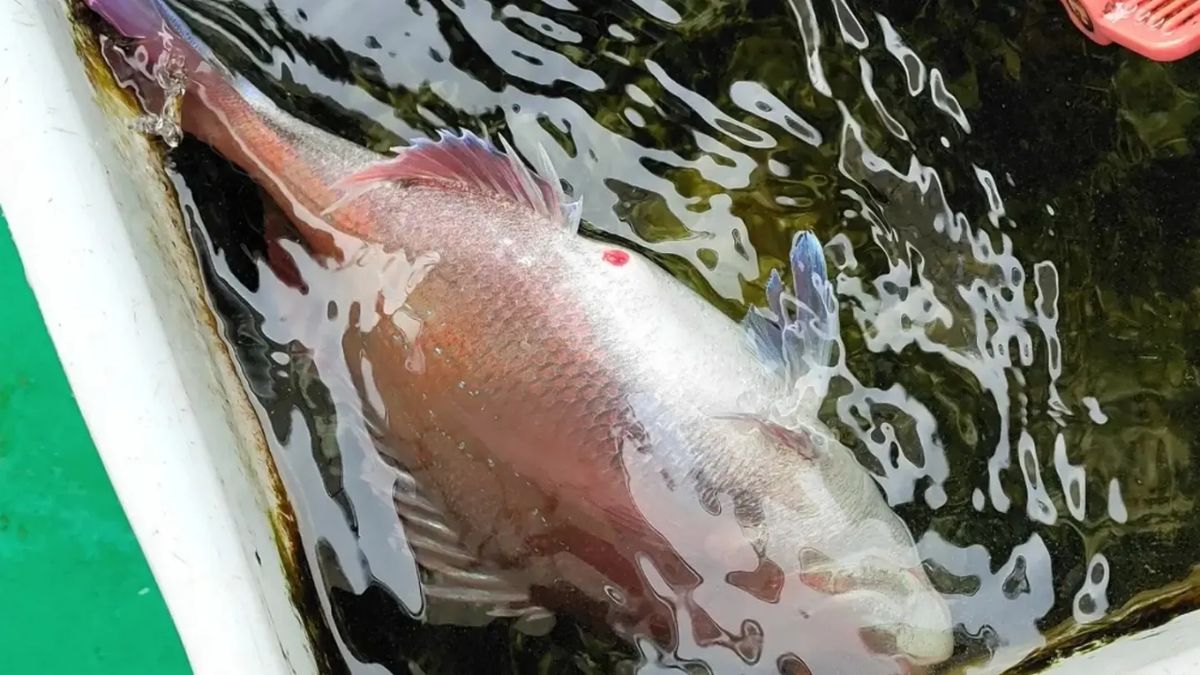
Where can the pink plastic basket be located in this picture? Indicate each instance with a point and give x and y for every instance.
(1163, 30)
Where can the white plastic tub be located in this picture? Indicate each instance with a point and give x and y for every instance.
(121, 296)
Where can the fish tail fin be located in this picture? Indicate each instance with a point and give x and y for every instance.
(797, 330)
(132, 18)
(174, 57)
(154, 25)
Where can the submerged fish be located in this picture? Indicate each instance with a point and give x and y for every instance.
(575, 431)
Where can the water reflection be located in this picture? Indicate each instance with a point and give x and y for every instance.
(706, 134)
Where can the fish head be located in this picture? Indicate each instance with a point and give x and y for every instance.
(868, 566)
(816, 514)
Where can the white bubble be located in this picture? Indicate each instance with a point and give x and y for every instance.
(1091, 601)
(1094, 412)
(1116, 505)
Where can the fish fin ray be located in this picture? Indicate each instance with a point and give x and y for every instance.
(470, 163)
(348, 194)
(774, 291)
(458, 586)
(572, 210)
(816, 311)
(764, 335)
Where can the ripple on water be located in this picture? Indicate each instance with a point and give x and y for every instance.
(1021, 412)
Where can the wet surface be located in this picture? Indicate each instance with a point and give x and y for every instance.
(1008, 230)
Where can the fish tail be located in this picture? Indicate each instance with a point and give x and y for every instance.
(182, 86)
(154, 26)
(132, 18)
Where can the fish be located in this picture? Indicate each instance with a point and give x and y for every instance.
(573, 430)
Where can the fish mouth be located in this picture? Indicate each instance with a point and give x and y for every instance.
(913, 649)
(904, 616)
(927, 635)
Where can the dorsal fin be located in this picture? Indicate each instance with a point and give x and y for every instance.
(797, 330)
(470, 163)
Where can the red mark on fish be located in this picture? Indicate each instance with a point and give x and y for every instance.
(615, 257)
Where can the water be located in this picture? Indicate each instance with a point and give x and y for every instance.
(1009, 221)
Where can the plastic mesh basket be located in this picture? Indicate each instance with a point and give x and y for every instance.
(1163, 30)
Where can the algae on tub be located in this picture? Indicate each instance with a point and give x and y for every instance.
(1010, 222)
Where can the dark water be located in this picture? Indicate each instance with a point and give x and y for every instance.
(1010, 219)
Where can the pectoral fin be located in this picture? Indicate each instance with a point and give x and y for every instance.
(459, 588)
(796, 331)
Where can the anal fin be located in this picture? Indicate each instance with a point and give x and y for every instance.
(275, 229)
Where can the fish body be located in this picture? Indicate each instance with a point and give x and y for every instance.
(577, 431)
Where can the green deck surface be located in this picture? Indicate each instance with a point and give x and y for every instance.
(76, 595)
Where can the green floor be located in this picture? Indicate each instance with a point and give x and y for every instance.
(75, 593)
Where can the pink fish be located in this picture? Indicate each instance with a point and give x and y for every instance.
(576, 431)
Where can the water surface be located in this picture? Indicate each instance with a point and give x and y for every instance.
(1009, 222)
